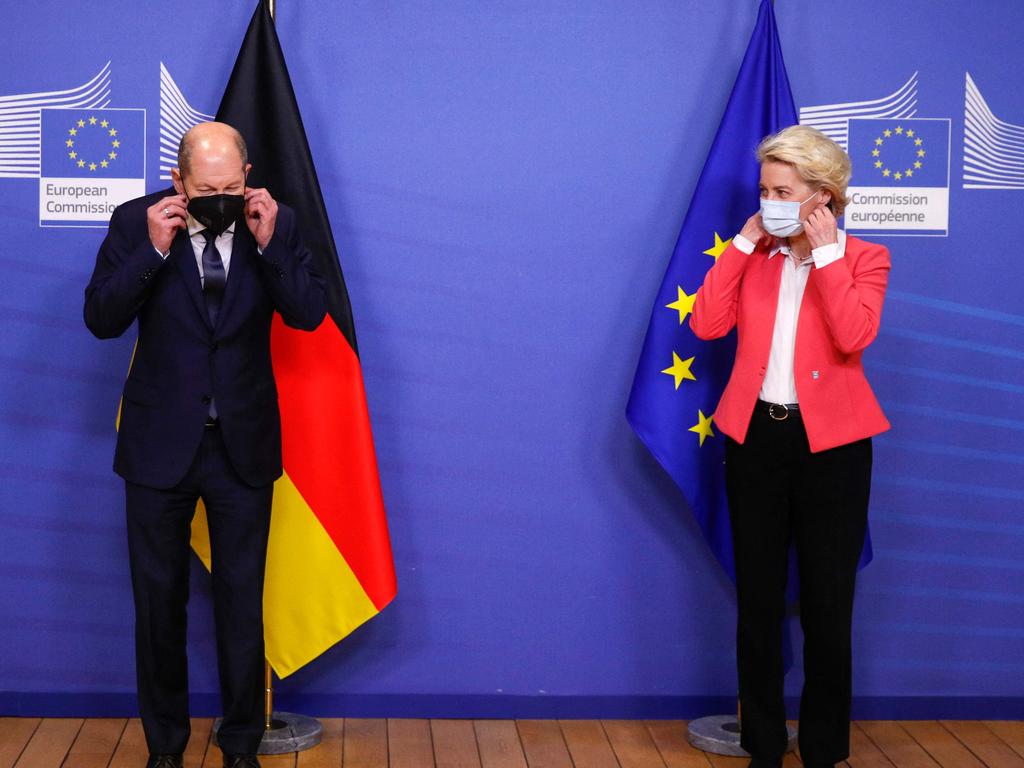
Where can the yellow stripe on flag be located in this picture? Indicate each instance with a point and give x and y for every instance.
(311, 598)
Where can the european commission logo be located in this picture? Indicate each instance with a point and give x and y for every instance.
(900, 183)
(91, 161)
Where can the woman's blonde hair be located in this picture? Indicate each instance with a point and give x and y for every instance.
(817, 159)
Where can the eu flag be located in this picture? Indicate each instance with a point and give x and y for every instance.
(679, 377)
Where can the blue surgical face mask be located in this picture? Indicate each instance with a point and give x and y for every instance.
(782, 217)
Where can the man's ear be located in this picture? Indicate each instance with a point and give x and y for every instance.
(176, 180)
(248, 167)
(828, 198)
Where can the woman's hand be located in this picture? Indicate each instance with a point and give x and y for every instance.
(821, 227)
(754, 230)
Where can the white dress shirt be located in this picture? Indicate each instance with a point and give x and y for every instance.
(779, 384)
(223, 243)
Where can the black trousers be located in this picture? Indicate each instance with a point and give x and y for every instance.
(158, 545)
(781, 492)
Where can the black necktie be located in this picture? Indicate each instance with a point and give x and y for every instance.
(214, 278)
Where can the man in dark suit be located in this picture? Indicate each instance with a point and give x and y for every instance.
(203, 272)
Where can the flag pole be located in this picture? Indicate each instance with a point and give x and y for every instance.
(268, 697)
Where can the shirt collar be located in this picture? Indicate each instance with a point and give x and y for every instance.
(781, 246)
(194, 227)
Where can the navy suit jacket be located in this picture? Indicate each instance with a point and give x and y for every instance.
(181, 360)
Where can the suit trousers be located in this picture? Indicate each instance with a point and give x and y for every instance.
(780, 493)
(159, 523)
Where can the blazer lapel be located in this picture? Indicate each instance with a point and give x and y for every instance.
(185, 260)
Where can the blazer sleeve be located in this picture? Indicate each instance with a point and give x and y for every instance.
(295, 287)
(714, 309)
(852, 292)
(121, 280)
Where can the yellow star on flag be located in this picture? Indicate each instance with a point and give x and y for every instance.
(81, 123)
(72, 154)
(885, 172)
(703, 426)
(910, 133)
(897, 175)
(875, 153)
(680, 369)
(113, 155)
(92, 120)
(887, 133)
(918, 142)
(73, 131)
(878, 142)
(104, 163)
(917, 163)
(899, 129)
(909, 172)
(878, 163)
(70, 142)
(719, 247)
(683, 304)
(115, 143)
(104, 123)
(920, 153)
(92, 166)
(81, 163)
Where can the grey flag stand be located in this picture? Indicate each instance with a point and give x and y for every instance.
(285, 732)
(720, 735)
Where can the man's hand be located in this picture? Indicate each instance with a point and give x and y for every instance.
(260, 215)
(821, 227)
(755, 232)
(165, 218)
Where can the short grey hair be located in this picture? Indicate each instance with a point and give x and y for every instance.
(185, 150)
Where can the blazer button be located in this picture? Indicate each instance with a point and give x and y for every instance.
(207, 399)
(214, 347)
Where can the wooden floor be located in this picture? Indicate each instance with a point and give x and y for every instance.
(118, 743)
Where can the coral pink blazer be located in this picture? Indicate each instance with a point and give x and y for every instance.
(839, 317)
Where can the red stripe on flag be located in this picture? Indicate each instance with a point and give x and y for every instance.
(328, 448)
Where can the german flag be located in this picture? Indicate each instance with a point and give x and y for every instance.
(329, 564)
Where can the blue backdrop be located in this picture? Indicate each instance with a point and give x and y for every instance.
(506, 182)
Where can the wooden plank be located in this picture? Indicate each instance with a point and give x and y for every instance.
(1010, 731)
(722, 761)
(410, 744)
(898, 745)
(498, 742)
(15, 733)
(941, 744)
(131, 751)
(50, 743)
(365, 743)
(588, 744)
(632, 744)
(985, 743)
(454, 744)
(326, 754)
(864, 753)
(670, 738)
(199, 743)
(543, 744)
(95, 743)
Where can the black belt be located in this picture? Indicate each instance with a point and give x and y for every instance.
(212, 423)
(779, 411)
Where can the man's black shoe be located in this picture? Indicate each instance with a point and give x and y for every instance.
(757, 762)
(241, 761)
(164, 761)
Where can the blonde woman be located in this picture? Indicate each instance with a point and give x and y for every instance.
(798, 413)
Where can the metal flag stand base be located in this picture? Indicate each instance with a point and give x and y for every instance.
(285, 732)
(720, 735)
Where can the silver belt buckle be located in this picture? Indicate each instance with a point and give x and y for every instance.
(772, 412)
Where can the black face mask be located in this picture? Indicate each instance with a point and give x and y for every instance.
(216, 212)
